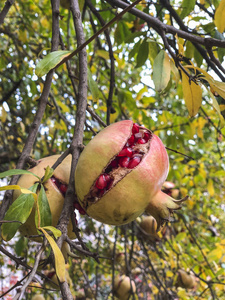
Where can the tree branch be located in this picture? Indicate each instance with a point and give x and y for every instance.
(5, 10)
(39, 114)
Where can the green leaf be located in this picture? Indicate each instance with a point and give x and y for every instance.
(142, 53)
(198, 57)
(43, 210)
(50, 61)
(187, 7)
(48, 174)
(153, 51)
(134, 50)
(19, 211)
(161, 71)
(93, 86)
(20, 245)
(16, 172)
(59, 259)
(121, 32)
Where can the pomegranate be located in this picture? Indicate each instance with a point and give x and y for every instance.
(55, 189)
(54, 283)
(185, 280)
(38, 297)
(149, 227)
(169, 189)
(124, 287)
(120, 173)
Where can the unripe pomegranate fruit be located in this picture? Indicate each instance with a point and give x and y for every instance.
(124, 287)
(169, 189)
(149, 227)
(38, 297)
(54, 283)
(120, 173)
(55, 189)
(185, 280)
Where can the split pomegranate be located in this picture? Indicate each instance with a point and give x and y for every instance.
(120, 174)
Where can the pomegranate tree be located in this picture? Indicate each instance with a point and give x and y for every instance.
(120, 173)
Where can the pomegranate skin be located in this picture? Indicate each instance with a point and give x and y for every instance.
(130, 196)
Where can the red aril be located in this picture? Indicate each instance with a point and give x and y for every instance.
(101, 182)
(135, 128)
(126, 152)
(63, 188)
(134, 162)
(141, 141)
(124, 161)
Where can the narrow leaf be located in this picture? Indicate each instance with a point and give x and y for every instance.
(192, 93)
(17, 187)
(48, 174)
(161, 71)
(59, 259)
(219, 19)
(43, 216)
(50, 61)
(142, 55)
(18, 211)
(93, 86)
(16, 172)
(187, 7)
(56, 232)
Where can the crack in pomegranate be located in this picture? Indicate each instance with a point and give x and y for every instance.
(61, 186)
(129, 157)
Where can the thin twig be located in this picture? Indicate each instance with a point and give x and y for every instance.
(85, 43)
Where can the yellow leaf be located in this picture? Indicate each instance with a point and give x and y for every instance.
(201, 124)
(182, 293)
(215, 254)
(219, 19)
(102, 53)
(180, 46)
(210, 187)
(60, 266)
(63, 106)
(169, 274)
(23, 36)
(217, 108)
(17, 187)
(3, 114)
(44, 22)
(218, 87)
(192, 93)
(215, 86)
(56, 232)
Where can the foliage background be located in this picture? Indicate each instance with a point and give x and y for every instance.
(121, 66)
